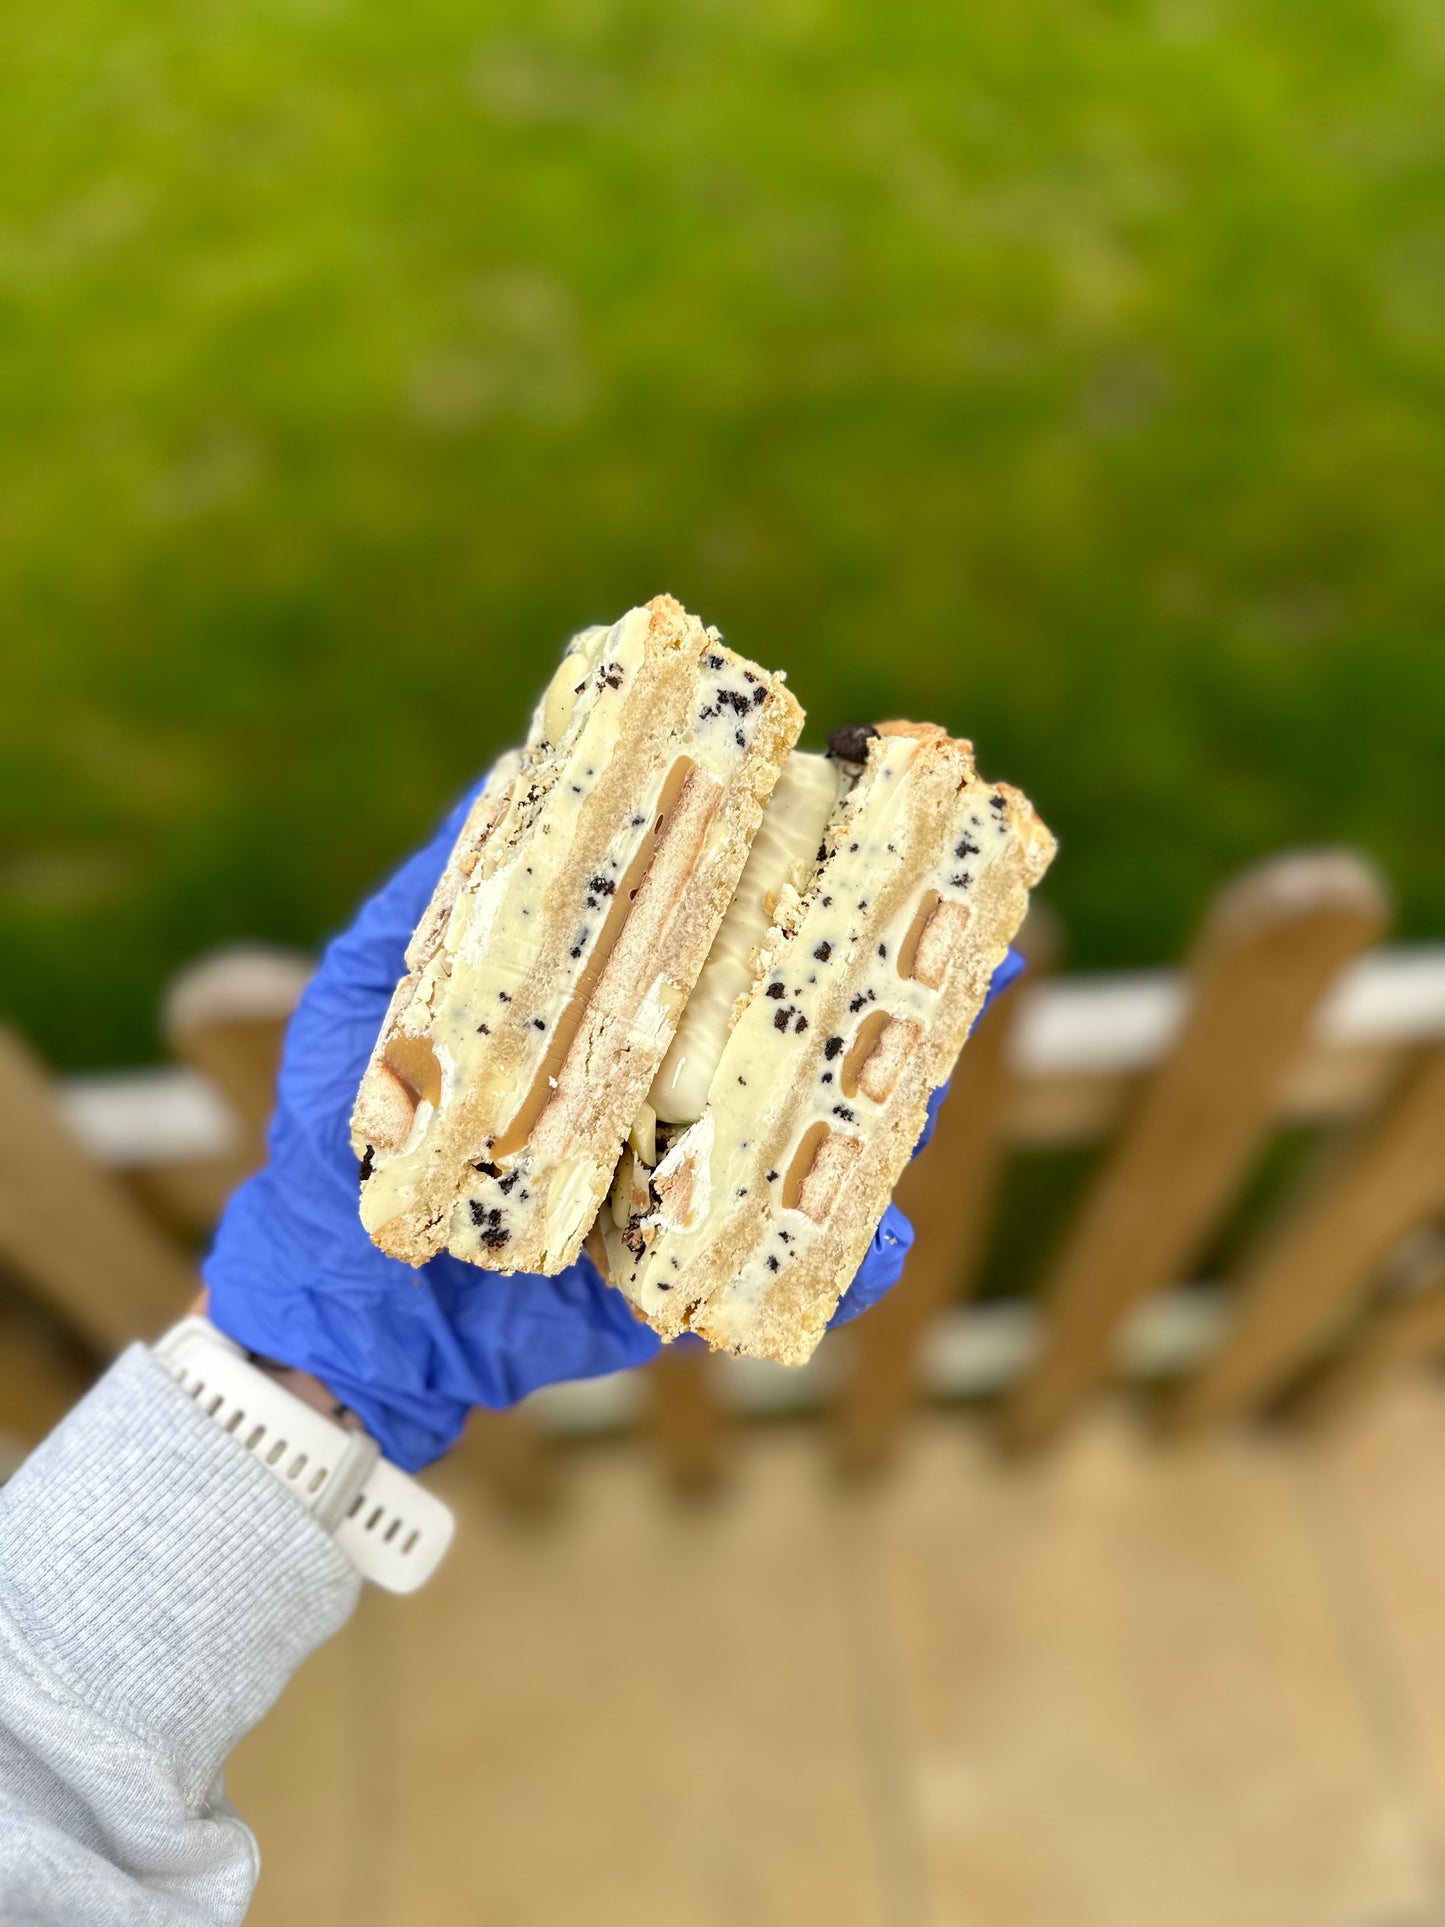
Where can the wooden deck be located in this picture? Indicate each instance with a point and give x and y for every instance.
(1121, 1686)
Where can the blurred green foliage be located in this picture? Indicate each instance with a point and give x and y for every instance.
(1071, 372)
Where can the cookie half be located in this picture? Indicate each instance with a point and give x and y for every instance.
(547, 975)
(742, 1211)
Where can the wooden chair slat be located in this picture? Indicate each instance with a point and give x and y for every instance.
(1326, 1253)
(1406, 1331)
(685, 1417)
(43, 1372)
(226, 1016)
(70, 1228)
(1273, 944)
(1049, 1110)
(513, 1460)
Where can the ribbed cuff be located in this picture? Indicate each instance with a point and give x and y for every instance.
(160, 1572)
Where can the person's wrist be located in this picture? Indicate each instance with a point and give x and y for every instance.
(300, 1383)
(308, 1388)
(391, 1529)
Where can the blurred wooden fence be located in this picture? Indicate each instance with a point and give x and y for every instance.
(1284, 1015)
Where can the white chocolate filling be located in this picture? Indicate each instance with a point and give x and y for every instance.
(554, 713)
(784, 854)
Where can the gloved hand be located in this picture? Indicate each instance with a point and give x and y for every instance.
(294, 1276)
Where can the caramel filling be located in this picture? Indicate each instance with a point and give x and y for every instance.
(861, 1049)
(564, 1031)
(412, 1061)
(809, 1146)
(908, 949)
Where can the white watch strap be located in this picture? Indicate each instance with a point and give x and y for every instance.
(392, 1530)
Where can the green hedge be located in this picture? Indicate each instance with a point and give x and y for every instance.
(1070, 372)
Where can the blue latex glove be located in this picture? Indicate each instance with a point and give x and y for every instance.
(294, 1277)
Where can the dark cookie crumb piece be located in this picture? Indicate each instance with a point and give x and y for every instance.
(772, 1177)
(961, 880)
(504, 997)
(604, 886)
(801, 1022)
(772, 1262)
(850, 741)
(774, 990)
(760, 695)
(505, 1184)
(538, 1024)
(823, 952)
(781, 1017)
(832, 1047)
(842, 1110)
(852, 849)
(489, 1223)
(965, 847)
(740, 739)
(882, 950)
(484, 1030)
(826, 1078)
(998, 801)
(368, 1163)
(713, 661)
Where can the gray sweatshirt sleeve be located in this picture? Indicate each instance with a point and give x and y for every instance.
(157, 1590)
